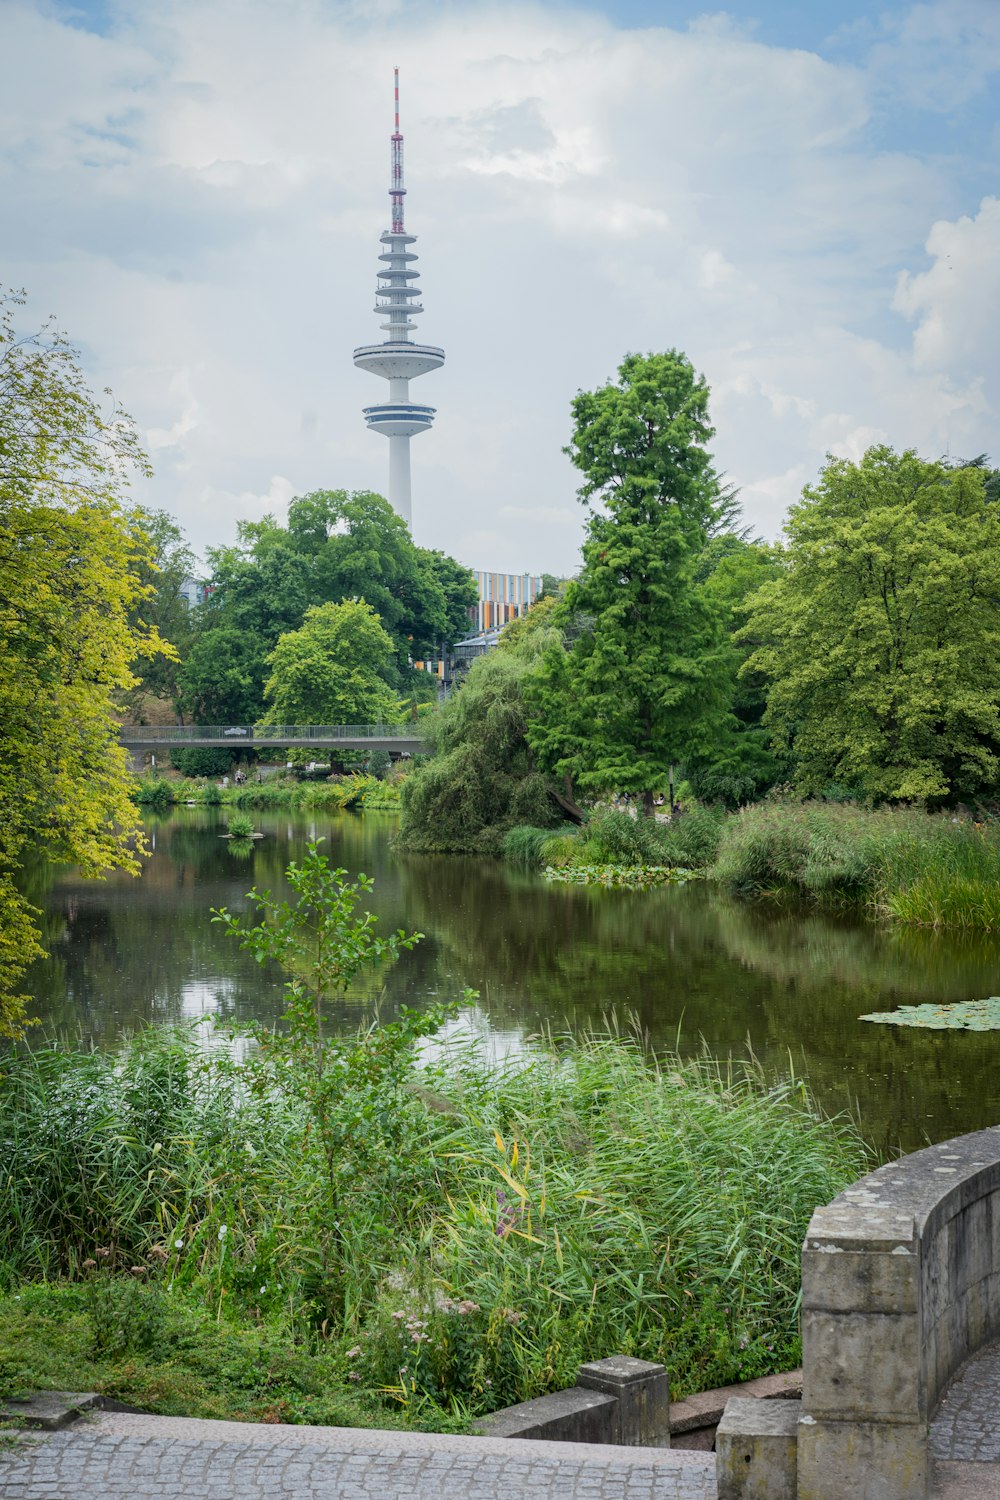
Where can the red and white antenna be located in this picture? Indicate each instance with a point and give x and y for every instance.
(397, 191)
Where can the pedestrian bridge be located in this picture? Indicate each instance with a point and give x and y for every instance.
(398, 739)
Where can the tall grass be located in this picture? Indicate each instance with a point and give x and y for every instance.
(689, 840)
(926, 869)
(528, 846)
(578, 1200)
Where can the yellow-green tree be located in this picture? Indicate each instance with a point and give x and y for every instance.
(70, 563)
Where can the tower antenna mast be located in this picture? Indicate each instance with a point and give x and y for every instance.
(398, 360)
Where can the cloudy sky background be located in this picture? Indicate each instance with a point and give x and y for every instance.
(805, 199)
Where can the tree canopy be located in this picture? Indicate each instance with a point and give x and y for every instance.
(332, 669)
(337, 546)
(880, 636)
(70, 588)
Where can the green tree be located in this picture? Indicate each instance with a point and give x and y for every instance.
(337, 546)
(880, 638)
(641, 684)
(333, 669)
(739, 765)
(482, 779)
(69, 588)
(262, 586)
(164, 561)
(461, 594)
(222, 680)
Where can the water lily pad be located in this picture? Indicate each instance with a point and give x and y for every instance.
(963, 1015)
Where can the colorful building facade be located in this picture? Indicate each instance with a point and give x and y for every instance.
(504, 597)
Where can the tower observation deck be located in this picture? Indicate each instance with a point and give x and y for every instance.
(399, 360)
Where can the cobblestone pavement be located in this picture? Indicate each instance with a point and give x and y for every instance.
(966, 1425)
(114, 1456)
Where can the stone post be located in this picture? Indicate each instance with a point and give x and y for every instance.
(864, 1427)
(643, 1394)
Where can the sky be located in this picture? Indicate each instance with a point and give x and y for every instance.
(804, 198)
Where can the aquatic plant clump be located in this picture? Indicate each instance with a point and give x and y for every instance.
(240, 825)
(633, 877)
(513, 1219)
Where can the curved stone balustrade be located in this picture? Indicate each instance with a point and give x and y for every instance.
(900, 1286)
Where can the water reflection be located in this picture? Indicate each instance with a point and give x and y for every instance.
(686, 961)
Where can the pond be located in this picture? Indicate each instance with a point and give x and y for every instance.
(689, 963)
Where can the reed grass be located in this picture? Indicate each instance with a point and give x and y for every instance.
(577, 1200)
(526, 846)
(932, 870)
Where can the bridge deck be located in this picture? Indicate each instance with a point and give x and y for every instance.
(402, 738)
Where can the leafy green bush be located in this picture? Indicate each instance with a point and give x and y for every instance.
(689, 841)
(152, 791)
(201, 760)
(379, 764)
(125, 1317)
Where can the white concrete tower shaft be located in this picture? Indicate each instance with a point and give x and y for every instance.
(398, 360)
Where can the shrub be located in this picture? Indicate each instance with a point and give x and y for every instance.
(379, 764)
(201, 760)
(689, 841)
(125, 1316)
(240, 825)
(152, 791)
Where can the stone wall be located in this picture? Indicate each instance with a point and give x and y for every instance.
(900, 1285)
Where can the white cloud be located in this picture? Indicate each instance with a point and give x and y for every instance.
(956, 303)
(203, 217)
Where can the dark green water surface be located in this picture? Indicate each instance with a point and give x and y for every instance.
(685, 960)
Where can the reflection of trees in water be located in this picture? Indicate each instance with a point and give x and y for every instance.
(126, 950)
(792, 984)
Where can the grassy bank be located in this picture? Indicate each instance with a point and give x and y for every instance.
(923, 869)
(358, 791)
(929, 870)
(515, 1219)
(615, 848)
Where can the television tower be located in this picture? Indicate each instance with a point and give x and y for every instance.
(399, 360)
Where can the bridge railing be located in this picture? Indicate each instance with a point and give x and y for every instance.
(241, 734)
